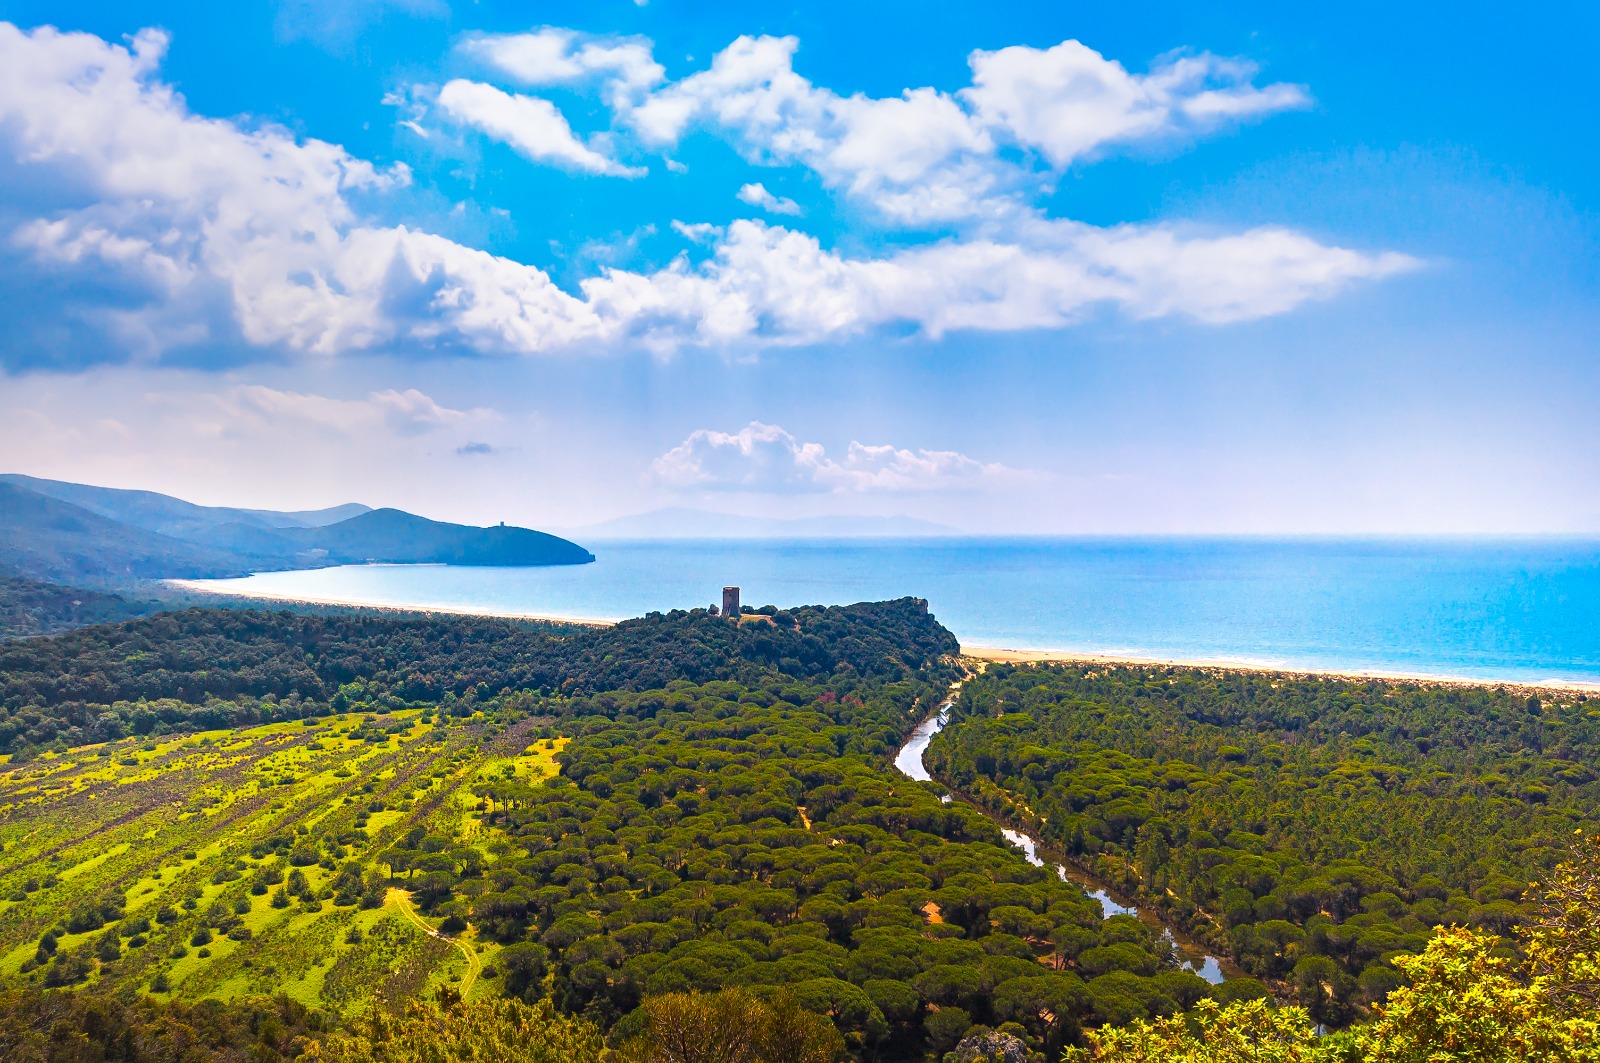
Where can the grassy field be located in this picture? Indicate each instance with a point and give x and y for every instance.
(228, 863)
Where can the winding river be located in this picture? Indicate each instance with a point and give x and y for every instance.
(1192, 956)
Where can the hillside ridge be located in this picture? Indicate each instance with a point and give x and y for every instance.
(81, 534)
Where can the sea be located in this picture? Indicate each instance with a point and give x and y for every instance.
(1523, 610)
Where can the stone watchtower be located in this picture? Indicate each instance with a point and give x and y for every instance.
(730, 602)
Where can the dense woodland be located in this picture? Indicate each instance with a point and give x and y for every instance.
(207, 668)
(717, 835)
(727, 867)
(1313, 829)
(33, 607)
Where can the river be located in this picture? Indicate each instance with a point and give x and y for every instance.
(1192, 957)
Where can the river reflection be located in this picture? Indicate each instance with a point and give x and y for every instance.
(909, 762)
(909, 759)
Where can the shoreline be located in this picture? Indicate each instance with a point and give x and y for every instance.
(995, 654)
(999, 655)
(199, 587)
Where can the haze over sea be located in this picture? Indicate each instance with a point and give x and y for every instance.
(1525, 610)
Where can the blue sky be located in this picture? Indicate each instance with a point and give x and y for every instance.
(1040, 268)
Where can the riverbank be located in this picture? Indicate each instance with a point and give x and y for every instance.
(908, 761)
(997, 655)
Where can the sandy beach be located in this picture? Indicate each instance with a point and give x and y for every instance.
(1005, 656)
(996, 654)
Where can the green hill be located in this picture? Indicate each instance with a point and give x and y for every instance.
(75, 533)
(167, 515)
(396, 536)
(45, 538)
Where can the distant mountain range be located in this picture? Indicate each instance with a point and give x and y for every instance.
(680, 523)
(70, 532)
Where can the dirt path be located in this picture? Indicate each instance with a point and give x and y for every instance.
(398, 898)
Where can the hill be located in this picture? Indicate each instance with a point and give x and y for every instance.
(45, 538)
(396, 536)
(216, 667)
(248, 531)
(75, 533)
(156, 512)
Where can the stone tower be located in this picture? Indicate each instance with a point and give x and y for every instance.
(730, 602)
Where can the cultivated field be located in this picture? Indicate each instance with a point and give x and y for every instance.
(273, 859)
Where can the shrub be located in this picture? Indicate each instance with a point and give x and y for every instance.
(494, 1031)
(734, 1026)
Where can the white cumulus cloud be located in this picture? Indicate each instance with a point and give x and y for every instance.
(912, 156)
(766, 458)
(529, 124)
(227, 227)
(701, 232)
(927, 155)
(223, 232)
(1070, 101)
(757, 195)
(555, 56)
(774, 286)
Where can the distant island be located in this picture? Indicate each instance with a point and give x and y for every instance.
(76, 533)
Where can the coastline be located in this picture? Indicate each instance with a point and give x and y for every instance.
(998, 655)
(199, 586)
(995, 654)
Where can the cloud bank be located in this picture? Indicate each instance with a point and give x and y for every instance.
(218, 233)
(767, 459)
(924, 155)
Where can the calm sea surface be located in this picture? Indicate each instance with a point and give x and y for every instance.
(1521, 609)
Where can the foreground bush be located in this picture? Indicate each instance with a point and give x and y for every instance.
(732, 1026)
(1464, 1004)
(1247, 1032)
(1564, 943)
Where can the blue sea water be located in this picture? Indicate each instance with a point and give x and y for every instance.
(1516, 609)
